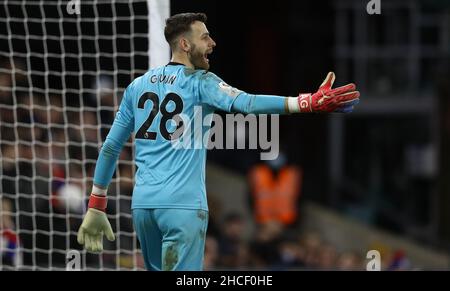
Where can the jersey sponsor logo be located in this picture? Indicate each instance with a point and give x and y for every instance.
(227, 89)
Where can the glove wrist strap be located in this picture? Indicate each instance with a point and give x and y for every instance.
(305, 102)
(98, 202)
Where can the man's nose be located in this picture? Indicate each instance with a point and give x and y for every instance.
(213, 43)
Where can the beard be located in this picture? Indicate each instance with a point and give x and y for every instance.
(197, 58)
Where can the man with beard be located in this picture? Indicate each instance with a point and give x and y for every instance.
(170, 212)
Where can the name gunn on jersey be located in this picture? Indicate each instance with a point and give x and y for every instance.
(165, 79)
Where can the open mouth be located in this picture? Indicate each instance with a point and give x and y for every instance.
(205, 56)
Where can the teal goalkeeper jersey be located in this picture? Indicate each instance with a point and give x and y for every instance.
(171, 167)
(167, 176)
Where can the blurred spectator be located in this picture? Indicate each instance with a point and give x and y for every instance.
(399, 262)
(275, 188)
(68, 191)
(327, 257)
(5, 82)
(215, 211)
(311, 243)
(89, 127)
(264, 247)
(290, 255)
(232, 246)
(104, 99)
(6, 112)
(9, 240)
(126, 175)
(349, 261)
(17, 186)
(211, 253)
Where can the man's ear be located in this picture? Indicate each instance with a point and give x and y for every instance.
(184, 44)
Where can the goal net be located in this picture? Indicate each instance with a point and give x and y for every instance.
(63, 68)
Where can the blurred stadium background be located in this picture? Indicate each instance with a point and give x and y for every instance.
(378, 178)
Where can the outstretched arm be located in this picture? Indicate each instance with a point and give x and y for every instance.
(257, 104)
(326, 99)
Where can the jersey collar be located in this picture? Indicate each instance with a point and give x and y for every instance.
(175, 64)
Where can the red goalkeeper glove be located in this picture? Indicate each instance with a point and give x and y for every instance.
(326, 99)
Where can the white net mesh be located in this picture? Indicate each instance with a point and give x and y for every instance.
(63, 71)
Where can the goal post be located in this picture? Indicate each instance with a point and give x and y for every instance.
(64, 66)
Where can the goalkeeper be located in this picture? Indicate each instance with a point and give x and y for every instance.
(169, 208)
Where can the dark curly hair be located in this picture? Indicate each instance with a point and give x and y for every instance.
(178, 24)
